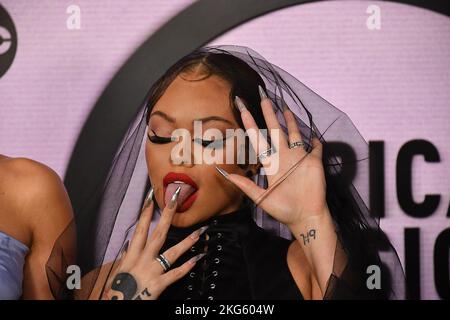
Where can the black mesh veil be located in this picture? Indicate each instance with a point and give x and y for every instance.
(104, 227)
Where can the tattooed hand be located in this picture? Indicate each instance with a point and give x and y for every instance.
(296, 193)
(139, 276)
(296, 189)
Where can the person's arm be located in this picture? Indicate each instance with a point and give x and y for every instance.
(317, 238)
(297, 197)
(335, 272)
(296, 194)
(40, 211)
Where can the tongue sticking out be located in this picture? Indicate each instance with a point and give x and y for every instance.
(185, 192)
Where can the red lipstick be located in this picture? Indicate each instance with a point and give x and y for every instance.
(188, 193)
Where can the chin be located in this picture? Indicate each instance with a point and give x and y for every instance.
(188, 218)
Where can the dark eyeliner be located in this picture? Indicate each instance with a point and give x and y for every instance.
(207, 143)
(157, 139)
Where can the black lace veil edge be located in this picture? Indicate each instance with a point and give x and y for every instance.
(361, 242)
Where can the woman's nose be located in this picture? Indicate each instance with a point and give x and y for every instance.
(183, 151)
(183, 161)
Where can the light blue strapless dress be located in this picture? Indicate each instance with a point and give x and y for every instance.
(12, 260)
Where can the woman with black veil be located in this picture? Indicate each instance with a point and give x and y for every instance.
(235, 181)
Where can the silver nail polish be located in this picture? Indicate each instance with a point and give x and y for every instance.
(197, 233)
(202, 230)
(197, 257)
(149, 198)
(222, 172)
(262, 93)
(173, 200)
(239, 104)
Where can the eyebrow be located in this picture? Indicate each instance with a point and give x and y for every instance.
(206, 119)
(162, 115)
(214, 118)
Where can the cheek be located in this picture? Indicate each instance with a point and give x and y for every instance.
(223, 189)
(157, 159)
(159, 151)
(149, 156)
(157, 167)
(216, 193)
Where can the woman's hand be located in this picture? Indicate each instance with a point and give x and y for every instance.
(302, 194)
(296, 195)
(139, 275)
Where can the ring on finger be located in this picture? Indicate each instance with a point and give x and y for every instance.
(163, 262)
(296, 144)
(266, 153)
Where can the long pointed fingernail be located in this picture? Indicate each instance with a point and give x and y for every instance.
(222, 172)
(149, 198)
(197, 233)
(196, 258)
(262, 93)
(239, 104)
(173, 200)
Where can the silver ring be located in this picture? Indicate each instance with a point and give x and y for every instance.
(265, 154)
(163, 262)
(296, 144)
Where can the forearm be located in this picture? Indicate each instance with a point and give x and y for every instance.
(317, 237)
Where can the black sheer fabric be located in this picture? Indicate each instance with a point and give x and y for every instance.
(106, 223)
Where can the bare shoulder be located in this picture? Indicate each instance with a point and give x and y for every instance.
(32, 197)
(24, 172)
(35, 209)
(27, 170)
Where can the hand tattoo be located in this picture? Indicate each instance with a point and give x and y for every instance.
(144, 293)
(311, 233)
(126, 284)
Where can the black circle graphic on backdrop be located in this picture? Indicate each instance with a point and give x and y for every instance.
(120, 101)
(8, 41)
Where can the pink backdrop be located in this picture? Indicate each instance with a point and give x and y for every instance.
(393, 82)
